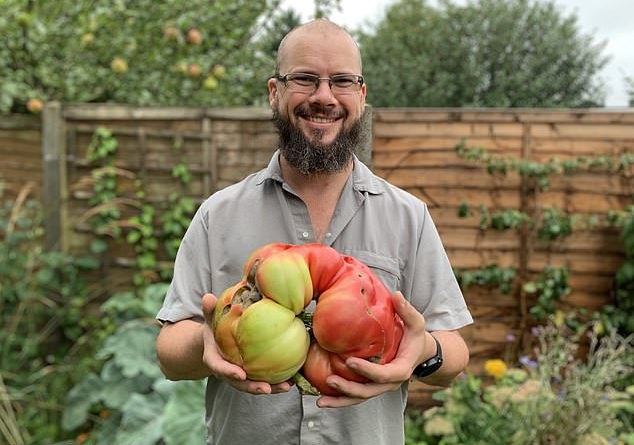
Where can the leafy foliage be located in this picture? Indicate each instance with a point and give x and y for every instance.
(620, 314)
(171, 53)
(503, 219)
(490, 276)
(550, 287)
(143, 229)
(487, 53)
(540, 172)
(44, 345)
(559, 397)
(129, 401)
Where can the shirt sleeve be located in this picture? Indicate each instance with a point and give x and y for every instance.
(192, 273)
(435, 291)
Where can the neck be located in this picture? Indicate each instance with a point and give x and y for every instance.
(320, 193)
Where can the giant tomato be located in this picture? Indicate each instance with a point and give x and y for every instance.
(256, 325)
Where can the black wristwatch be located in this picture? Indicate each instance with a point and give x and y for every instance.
(430, 365)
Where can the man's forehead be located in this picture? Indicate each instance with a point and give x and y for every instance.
(314, 34)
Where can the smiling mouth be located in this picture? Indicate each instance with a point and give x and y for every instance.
(320, 119)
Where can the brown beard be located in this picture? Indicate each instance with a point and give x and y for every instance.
(311, 157)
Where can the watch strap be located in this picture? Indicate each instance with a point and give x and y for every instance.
(430, 365)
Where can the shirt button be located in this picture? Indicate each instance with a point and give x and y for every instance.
(311, 424)
(305, 234)
(328, 235)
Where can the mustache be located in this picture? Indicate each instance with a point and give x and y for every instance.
(307, 111)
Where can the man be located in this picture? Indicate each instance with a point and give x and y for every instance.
(315, 190)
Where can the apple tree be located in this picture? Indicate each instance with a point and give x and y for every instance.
(144, 52)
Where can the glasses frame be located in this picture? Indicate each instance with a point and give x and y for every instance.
(317, 80)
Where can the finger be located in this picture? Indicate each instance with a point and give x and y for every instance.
(215, 361)
(359, 390)
(379, 373)
(209, 304)
(281, 387)
(407, 312)
(258, 388)
(337, 402)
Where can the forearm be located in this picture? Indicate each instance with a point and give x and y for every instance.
(179, 348)
(455, 358)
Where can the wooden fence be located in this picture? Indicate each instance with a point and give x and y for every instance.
(415, 149)
(20, 154)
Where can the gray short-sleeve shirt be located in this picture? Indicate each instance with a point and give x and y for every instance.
(385, 227)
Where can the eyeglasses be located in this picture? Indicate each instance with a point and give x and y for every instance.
(308, 83)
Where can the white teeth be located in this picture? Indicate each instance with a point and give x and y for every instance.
(320, 120)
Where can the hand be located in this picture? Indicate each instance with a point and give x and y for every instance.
(387, 377)
(221, 368)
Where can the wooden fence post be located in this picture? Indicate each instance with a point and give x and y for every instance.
(364, 151)
(54, 176)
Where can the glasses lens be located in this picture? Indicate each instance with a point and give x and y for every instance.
(302, 82)
(344, 83)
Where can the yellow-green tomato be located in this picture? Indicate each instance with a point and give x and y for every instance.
(285, 278)
(272, 341)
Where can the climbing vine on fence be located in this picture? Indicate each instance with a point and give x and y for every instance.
(143, 230)
(549, 224)
(541, 172)
(491, 276)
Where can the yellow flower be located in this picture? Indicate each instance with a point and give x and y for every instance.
(495, 367)
(559, 319)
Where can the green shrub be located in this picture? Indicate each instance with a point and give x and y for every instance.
(143, 52)
(44, 348)
(554, 398)
(129, 402)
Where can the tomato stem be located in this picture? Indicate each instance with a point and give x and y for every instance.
(307, 319)
(304, 386)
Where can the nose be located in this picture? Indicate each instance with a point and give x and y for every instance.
(323, 93)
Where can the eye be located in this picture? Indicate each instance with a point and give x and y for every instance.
(304, 80)
(344, 81)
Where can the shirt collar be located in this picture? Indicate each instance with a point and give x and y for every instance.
(363, 180)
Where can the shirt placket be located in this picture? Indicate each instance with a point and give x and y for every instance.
(301, 220)
(311, 422)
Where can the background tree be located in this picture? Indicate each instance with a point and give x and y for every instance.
(489, 53)
(323, 8)
(143, 52)
(629, 83)
(281, 24)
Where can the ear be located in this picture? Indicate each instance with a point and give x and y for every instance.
(363, 93)
(273, 91)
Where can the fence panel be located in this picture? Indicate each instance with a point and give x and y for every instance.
(417, 150)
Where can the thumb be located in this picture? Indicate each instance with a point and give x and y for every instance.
(407, 312)
(209, 304)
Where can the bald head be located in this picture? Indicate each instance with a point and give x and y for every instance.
(321, 29)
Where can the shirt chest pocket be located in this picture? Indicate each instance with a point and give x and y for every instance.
(385, 268)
